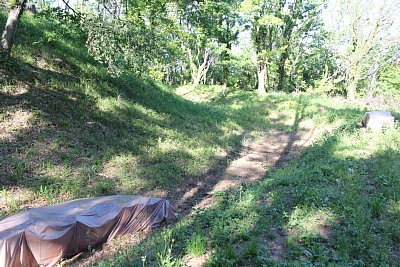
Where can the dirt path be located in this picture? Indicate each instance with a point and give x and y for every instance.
(249, 164)
(258, 156)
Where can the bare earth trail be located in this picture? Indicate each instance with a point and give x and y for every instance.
(258, 155)
(249, 164)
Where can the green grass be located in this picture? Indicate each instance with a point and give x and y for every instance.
(71, 126)
(67, 125)
(337, 205)
(196, 245)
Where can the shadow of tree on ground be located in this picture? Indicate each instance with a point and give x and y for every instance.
(335, 205)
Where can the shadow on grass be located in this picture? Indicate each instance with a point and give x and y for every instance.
(68, 119)
(331, 206)
(78, 128)
(299, 115)
(75, 126)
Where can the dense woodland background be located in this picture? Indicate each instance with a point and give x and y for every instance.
(339, 47)
(161, 98)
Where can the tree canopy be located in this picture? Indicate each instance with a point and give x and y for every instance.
(274, 45)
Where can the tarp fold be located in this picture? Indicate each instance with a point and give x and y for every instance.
(43, 236)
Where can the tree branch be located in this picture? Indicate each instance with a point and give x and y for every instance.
(73, 10)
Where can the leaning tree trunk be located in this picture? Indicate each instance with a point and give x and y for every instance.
(7, 39)
(372, 84)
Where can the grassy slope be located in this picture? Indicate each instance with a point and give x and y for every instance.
(338, 204)
(66, 125)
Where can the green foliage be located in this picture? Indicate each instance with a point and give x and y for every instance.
(270, 20)
(288, 41)
(389, 82)
(362, 44)
(251, 249)
(223, 257)
(196, 245)
(207, 30)
(9, 4)
(241, 71)
(164, 257)
(132, 44)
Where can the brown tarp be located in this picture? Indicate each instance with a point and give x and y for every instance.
(43, 236)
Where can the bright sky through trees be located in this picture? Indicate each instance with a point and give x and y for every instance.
(332, 47)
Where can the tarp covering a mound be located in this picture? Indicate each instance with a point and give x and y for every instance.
(43, 236)
(375, 120)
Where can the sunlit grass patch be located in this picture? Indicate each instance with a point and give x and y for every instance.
(123, 171)
(12, 199)
(200, 93)
(312, 224)
(335, 205)
(11, 122)
(196, 244)
(15, 89)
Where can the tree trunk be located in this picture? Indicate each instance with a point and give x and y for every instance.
(261, 72)
(351, 88)
(196, 79)
(224, 90)
(371, 91)
(282, 61)
(7, 39)
(200, 72)
(267, 77)
(183, 73)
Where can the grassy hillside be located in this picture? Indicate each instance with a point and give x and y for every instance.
(68, 129)
(336, 205)
(66, 124)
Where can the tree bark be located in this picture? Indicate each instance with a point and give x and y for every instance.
(351, 88)
(282, 61)
(224, 90)
(200, 72)
(7, 38)
(196, 78)
(372, 84)
(261, 72)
